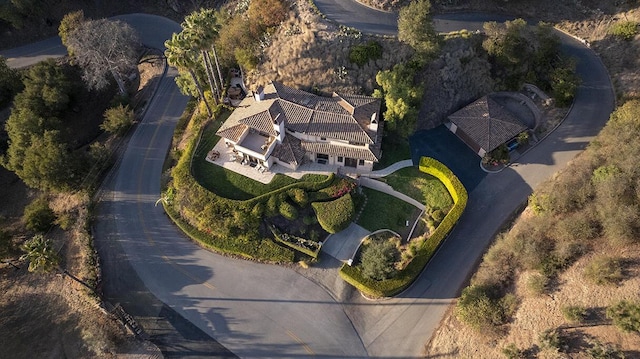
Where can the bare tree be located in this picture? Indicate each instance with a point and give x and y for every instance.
(103, 47)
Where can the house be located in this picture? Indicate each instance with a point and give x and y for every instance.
(486, 124)
(285, 126)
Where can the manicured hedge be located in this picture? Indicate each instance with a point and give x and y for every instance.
(404, 278)
(335, 215)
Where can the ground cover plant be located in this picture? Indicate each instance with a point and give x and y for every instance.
(421, 186)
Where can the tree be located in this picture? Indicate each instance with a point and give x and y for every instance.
(415, 27)
(117, 119)
(103, 47)
(267, 13)
(40, 254)
(10, 83)
(401, 97)
(180, 55)
(38, 216)
(378, 259)
(48, 165)
(200, 30)
(69, 23)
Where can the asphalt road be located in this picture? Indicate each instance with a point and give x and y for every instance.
(258, 310)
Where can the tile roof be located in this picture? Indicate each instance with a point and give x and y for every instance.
(261, 121)
(233, 133)
(341, 127)
(343, 151)
(289, 151)
(487, 123)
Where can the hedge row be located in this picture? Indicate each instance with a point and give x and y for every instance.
(335, 215)
(404, 278)
(264, 250)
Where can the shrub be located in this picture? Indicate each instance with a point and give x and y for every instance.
(38, 216)
(511, 351)
(335, 215)
(378, 259)
(481, 307)
(288, 211)
(599, 350)
(574, 313)
(537, 283)
(551, 339)
(272, 206)
(361, 54)
(625, 315)
(299, 196)
(117, 119)
(309, 220)
(604, 270)
(625, 30)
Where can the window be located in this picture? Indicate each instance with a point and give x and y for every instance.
(340, 159)
(361, 163)
(323, 138)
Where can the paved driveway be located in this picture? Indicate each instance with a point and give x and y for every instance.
(343, 244)
(445, 147)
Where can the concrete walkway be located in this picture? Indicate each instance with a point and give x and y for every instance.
(389, 170)
(385, 188)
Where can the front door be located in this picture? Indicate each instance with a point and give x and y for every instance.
(350, 162)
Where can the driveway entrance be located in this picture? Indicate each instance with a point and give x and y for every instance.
(343, 244)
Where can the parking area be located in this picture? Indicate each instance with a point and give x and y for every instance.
(444, 146)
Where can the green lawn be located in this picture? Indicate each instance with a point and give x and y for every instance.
(229, 184)
(385, 211)
(394, 149)
(421, 187)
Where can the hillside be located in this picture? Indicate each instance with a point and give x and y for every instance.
(574, 252)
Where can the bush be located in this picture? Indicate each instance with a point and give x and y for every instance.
(625, 316)
(378, 259)
(38, 216)
(599, 350)
(335, 215)
(117, 119)
(482, 308)
(299, 196)
(625, 30)
(537, 283)
(551, 339)
(574, 313)
(604, 270)
(361, 54)
(288, 211)
(511, 351)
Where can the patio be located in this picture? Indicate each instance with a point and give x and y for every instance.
(225, 158)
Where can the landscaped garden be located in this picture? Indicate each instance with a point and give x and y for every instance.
(385, 267)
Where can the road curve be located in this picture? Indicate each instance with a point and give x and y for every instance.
(291, 316)
(407, 322)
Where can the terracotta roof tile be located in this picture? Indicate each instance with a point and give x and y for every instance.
(343, 151)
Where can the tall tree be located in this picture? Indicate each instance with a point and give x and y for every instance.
(69, 23)
(415, 27)
(180, 55)
(10, 83)
(102, 48)
(201, 28)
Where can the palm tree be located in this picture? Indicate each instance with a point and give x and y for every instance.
(44, 259)
(179, 54)
(203, 27)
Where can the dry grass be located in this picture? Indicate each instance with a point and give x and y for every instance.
(313, 54)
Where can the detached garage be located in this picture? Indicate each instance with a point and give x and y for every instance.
(486, 124)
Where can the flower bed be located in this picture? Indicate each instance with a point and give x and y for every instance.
(302, 245)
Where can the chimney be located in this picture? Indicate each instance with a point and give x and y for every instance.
(278, 126)
(258, 94)
(373, 125)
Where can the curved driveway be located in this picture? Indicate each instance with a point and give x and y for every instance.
(259, 310)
